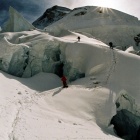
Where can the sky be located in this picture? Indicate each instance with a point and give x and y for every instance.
(32, 9)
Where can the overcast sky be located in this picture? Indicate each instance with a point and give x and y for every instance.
(32, 9)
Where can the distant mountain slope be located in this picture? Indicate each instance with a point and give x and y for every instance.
(50, 16)
(95, 16)
(104, 24)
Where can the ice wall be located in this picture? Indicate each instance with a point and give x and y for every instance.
(16, 22)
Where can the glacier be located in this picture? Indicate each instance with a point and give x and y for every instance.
(16, 22)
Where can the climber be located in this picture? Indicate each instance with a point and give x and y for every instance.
(111, 45)
(78, 38)
(64, 80)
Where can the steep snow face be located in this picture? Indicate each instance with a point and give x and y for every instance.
(16, 22)
(50, 16)
(108, 25)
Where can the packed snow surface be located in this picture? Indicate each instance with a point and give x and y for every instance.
(30, 109)
(38, 108)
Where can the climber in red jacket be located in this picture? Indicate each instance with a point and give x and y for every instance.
(64, 80)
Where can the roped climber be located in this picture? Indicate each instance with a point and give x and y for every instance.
(78, 38)
(111, 45)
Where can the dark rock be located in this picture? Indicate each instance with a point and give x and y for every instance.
(138, 134)
(126, 125)
(50, 16)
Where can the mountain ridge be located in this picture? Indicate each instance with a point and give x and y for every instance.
(98, 12)
(51, 15)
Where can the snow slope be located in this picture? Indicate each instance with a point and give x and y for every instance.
(108, 25)
(37, 108)
(73, 113)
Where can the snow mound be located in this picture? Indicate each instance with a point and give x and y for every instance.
(132, 50)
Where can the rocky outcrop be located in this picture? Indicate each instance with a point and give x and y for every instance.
(126, 125)
(50, 16)
(127, 120)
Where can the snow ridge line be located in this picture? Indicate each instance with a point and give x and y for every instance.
(112, 66)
